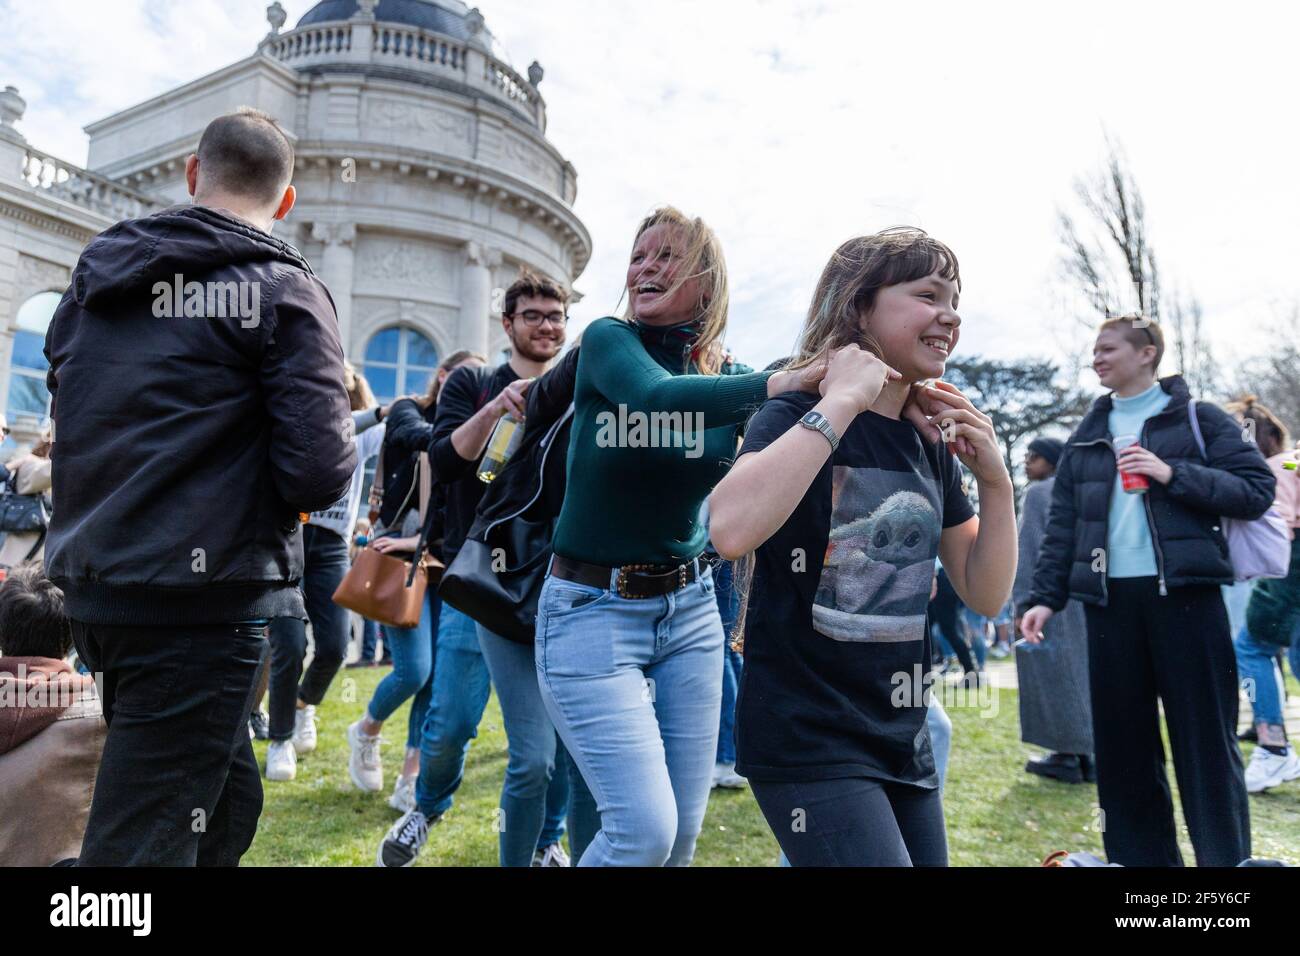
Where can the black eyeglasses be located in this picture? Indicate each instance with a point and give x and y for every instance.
(532, 318)
(4, 431)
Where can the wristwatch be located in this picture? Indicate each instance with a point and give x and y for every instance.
(819, 423)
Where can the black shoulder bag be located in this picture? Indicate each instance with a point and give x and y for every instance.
(497, 576)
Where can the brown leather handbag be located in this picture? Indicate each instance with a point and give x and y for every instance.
(390, 588)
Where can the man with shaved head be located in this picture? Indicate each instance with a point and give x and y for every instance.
(199, 408)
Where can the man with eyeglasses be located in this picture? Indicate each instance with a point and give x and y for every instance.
(468, 658)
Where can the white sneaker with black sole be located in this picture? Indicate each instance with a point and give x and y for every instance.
(552, 855)
(1268, 769)
(281, 760)
(364, 766)
(404, 840)
(304, 729)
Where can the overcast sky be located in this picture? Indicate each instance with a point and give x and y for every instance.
(791, 126)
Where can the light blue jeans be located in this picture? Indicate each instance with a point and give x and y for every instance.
(634, 686)
(940, 724)
(412, 675)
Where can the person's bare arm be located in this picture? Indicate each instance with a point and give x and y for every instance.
(763, 488)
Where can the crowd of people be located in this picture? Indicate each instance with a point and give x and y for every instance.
(731, 568)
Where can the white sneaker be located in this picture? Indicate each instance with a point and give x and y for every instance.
(403, 796)
(552, 855)
(304, 729)
(281, 760)
(724, 775)
(364, 766)
(1268, 769)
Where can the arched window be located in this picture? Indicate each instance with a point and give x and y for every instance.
(27, 393)
(399, 361)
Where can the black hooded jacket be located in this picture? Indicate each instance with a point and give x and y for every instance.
(186, 445)
(1184, 516)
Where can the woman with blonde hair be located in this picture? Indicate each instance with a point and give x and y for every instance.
(846, 498)
(629, 641)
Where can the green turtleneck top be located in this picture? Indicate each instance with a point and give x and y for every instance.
(649, 442)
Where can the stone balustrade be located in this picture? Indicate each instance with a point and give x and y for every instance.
(362, 42)
(62, 180)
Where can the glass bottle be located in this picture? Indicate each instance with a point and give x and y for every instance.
(504, 441)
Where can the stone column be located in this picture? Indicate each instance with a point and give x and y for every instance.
(476, 297)
(336, 263)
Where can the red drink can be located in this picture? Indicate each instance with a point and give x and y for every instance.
(1131, 483)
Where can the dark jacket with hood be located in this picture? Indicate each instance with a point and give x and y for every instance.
(1184, 516)
(186, 445)
(524, 483)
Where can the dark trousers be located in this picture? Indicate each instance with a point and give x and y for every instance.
(178, 784)
(855, 821)
(325, 561)
(1142, 646)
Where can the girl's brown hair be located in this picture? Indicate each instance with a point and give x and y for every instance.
(446, 365)
(1270, 434)
(845, 294)
(857, 271)
(702, 259)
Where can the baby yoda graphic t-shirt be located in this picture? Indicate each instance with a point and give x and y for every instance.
(836, 644)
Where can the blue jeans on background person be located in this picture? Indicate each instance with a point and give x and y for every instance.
(412, 675)
(976, 629)
(535, 795)
(633, 685)
(371, 634)
(460, 689)
(936, 718)
(732, 663)
(1257, 663)
(1236, 597)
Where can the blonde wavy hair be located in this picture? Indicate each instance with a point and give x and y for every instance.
(701, 259)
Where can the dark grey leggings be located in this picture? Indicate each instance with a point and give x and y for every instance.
(855, 821)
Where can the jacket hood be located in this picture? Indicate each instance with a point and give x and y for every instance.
(130, 257)
(34, 691)
(1095, 423)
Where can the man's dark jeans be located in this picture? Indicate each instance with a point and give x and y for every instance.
(325, 562)
(178, 784)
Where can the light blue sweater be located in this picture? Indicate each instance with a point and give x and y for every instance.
(1129, 552)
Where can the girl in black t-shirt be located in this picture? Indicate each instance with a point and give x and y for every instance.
(845, 527)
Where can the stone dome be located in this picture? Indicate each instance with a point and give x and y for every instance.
(446, 16)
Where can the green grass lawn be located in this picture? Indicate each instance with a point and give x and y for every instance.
(997, 814)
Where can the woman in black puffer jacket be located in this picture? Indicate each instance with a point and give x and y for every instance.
(1147, 568)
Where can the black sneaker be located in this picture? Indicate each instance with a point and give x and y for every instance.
(1249, 735)
(404, 840)
(257, 720)
(1089, 768)
(1062, 767)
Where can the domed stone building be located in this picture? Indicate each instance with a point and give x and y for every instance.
(424, 176)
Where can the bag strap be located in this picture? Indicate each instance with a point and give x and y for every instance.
(40, 540)
(377, 482)
(424, 479)
(1195, 420)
